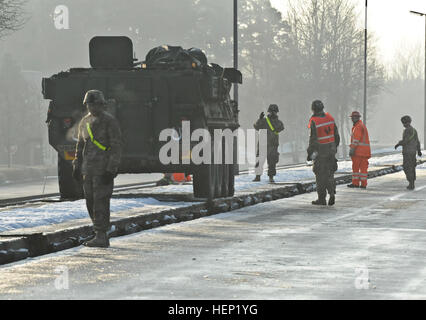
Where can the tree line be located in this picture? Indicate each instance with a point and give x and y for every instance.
(313, 51)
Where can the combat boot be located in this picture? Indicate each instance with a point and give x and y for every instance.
(101, 240)
(256, 179)
(331, 200)
(320, 202)
(271, 180)
(164, 182)
(411, 185)
(352, 186)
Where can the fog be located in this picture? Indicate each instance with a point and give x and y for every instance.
(312, 51)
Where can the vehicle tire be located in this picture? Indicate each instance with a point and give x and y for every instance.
(199, 185)
(69, 189)
(218, 168)
(231, 181)
(204, 181)
(225, 180)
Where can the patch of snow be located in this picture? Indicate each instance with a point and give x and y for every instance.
(54, 213)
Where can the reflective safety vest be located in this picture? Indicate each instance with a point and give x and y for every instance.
(94, 141)
(360, 140)
(271, 126)
(325, 128)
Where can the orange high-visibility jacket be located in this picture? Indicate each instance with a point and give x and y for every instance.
(360, 140)
(324, 127)
(180, 177)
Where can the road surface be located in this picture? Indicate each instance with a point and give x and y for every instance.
(370, 245)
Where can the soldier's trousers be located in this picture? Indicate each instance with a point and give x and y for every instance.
(359, 171)
(324, 168)
(409, 163)
(272, 158)
(98, 197)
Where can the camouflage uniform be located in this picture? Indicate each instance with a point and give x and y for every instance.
(272, 156)
(94, 163)
(410, 146)
(325, 164)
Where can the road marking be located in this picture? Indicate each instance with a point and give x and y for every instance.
(364, 209)
(391, 229)
(406, 193)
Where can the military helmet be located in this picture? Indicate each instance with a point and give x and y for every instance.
(406, 119)
(273, 108)
(317, 106)
(94, 96)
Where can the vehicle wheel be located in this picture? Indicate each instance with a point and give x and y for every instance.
(231, 183)
(68, 188)
(219, 178)
(225, 180)
(204, 181)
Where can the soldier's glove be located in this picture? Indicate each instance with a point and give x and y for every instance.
(108, 177)
(419, 153)
(396, 146)
(351, 152)
(76, 174)
(262, 115)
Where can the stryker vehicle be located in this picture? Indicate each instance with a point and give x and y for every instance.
(170, 86)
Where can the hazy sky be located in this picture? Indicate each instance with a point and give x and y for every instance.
(390, 20)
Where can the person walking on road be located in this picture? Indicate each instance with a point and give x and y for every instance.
(323, 142)
(98, 156)
(273, 126)
(360, 152)
(410, 146)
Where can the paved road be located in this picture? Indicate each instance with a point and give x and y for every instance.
(371, 245)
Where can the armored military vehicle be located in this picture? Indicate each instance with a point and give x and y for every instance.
(172, 85)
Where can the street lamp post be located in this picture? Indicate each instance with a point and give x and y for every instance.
(235, 151)
(424, 124)
(236, 46)
(365, 64)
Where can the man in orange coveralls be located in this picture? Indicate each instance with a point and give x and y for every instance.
(360, 152)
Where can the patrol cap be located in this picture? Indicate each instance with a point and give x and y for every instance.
(94, 96)
(406, 119)
(355, 114)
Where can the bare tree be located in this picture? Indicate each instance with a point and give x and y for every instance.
(329, 56)
(12, 16)
(408, 64)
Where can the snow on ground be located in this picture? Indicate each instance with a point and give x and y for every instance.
(54, 213)
(421, 166)
(298, 174)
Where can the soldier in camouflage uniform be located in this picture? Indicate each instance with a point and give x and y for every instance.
(323, 142)
(97, 160)
(410, 146)
(274, 126)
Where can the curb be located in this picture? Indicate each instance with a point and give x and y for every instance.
(15, 247)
